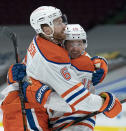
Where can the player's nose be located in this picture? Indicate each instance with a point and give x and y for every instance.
(64, 25)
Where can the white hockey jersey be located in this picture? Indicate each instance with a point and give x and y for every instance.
(50, 64)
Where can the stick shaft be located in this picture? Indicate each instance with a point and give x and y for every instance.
(12, 36)
(20, 82)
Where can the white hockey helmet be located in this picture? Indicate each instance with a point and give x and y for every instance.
(44, 15)
(75, 32)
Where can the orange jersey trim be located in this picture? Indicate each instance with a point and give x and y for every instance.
(51, 51)
(86, 63)
(82, 98)
(71, 89)
(85, 124)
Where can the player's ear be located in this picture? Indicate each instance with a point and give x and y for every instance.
(46, 29)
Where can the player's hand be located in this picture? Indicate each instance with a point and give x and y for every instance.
(97, 76)
(111, 106)
(16, 73)
(99, 63)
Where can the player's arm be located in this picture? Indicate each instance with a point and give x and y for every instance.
(34, 91)
(65, 82)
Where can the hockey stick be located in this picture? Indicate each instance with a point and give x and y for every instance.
(12, 36)
(82, 118)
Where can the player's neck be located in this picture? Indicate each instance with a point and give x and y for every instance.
(51, 39)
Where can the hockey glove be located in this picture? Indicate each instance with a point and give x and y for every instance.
(99, 63)
(16, 73)
(111, 107)
(97, 76)
(35, 91)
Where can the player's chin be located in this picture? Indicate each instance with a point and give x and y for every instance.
(74, 56)
(60, 36)
(63, 36)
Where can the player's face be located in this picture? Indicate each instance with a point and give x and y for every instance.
(74, 48)
(59, 28)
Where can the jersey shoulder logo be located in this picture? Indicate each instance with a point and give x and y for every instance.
(65, 73)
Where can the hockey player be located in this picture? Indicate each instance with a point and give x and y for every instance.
(53, 28)
(76, 40)
(53, 67)
(75, 44)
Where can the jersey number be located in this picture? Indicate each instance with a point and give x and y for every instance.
(66, 75)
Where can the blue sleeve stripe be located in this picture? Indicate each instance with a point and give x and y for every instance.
(91, 120)
(76, 94)
(67, 118)
(31, 120)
